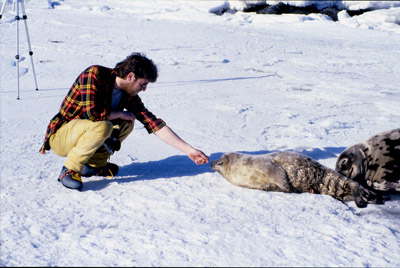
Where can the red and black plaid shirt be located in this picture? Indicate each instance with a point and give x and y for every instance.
(90, 98)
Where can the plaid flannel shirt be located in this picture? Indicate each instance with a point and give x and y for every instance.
(90, 98)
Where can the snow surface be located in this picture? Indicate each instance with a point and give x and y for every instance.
(237, 82)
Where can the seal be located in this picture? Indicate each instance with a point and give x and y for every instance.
(292, 173)
(374, 163)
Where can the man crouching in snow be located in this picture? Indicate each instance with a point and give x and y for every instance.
(98, 113)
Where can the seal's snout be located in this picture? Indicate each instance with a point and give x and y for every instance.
(214, 164)
(218, 164)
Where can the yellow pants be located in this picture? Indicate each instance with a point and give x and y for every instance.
(81, 140)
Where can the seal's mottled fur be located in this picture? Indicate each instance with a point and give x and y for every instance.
(290, 172)
(374, 162)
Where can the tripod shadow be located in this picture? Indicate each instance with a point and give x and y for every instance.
(181, 165)
(215, 80)
(315, 153)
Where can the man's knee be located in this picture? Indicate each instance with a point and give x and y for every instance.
(102, 128)
(129, 126)
(124, 129)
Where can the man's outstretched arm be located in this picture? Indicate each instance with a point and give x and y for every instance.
(168, 136)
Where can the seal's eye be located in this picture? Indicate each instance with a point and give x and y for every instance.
(220, 163)
(343, 163)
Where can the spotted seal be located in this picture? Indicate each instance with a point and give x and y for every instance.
(374, 162)
(290, 172)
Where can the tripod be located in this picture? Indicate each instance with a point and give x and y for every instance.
(16, 4)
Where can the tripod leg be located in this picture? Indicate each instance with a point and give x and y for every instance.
(2, 8)
(17, 55)
(24, 17)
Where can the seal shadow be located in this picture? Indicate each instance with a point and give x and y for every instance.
(181, 165)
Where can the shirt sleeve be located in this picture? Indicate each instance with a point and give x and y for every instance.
(147, 118)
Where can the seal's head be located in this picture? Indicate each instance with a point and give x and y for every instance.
(220, 165)
(352, 162)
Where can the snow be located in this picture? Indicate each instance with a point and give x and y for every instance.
(238, 82)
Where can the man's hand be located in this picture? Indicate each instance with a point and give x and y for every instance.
(198, 157)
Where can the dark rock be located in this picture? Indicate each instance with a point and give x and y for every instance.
(282, 8)
(358, 12)
(256, 7)
(330, 12)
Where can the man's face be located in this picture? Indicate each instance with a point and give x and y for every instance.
(135, 85)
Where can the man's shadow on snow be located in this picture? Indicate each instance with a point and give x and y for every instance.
(181, 165)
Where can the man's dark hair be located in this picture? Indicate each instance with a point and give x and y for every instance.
(137, 63)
